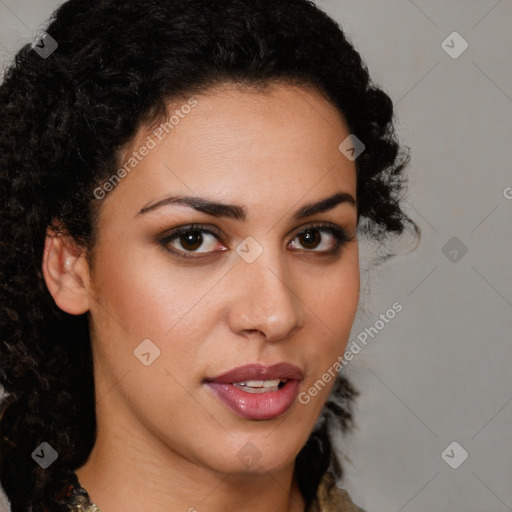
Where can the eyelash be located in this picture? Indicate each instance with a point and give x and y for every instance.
(341, 238)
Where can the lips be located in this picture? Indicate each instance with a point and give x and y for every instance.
(258, 392)
(260, 372)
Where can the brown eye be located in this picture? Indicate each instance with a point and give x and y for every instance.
(321, 239)
(310, 238)
(191, 241)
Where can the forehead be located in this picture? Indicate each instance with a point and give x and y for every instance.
(278, 145)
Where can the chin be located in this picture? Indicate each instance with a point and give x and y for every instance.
(255, 455)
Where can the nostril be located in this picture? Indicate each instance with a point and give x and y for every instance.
(255, 331)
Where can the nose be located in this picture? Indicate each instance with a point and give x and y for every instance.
(265, 300)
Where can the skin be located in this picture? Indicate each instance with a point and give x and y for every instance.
(165, 442)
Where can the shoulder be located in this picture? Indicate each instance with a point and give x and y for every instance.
(330, 498)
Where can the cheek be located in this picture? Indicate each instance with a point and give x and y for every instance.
(332, 298)
(140, 301)
(172, 307)
(332, 306)
(147, 298)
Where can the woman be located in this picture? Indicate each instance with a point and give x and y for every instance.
(183, 186)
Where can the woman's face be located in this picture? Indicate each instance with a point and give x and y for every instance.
(256, 284)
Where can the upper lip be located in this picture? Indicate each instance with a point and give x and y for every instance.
(259, 372)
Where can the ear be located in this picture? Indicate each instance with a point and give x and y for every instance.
(66, 272)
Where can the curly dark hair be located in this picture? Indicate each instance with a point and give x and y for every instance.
(64, 122)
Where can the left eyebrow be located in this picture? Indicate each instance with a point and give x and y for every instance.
(239, 212)
(324, 205)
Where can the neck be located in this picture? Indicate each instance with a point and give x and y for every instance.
(128, 472)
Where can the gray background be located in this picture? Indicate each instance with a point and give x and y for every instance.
(441, 370)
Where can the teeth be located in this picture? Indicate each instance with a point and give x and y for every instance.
(260, 383)
(259, 386)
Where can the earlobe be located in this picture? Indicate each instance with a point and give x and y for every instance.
(66, 273)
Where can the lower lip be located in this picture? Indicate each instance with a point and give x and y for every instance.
(257, 406)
